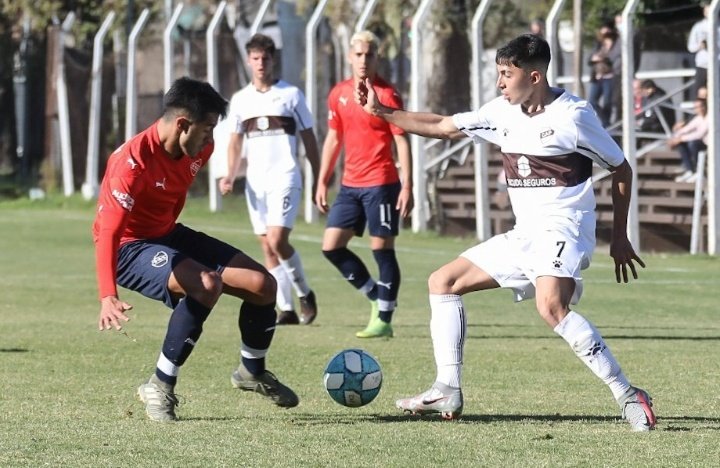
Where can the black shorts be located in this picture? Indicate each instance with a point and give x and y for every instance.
(145, 265)
(375, 206)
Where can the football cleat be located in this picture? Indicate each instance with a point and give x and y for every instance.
(287, 317)
(265, 384)
(636, 407)
(376, 329)
(447, 401)
(159, 404)
(308, 308)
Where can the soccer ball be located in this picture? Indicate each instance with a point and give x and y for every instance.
(353, 378)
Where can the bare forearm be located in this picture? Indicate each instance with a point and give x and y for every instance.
(621, 192)
(425, 124)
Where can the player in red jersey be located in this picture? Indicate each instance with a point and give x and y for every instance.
(140, 246)
(371, 192)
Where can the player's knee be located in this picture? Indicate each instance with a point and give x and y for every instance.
(551, 310)
(267, 289)
(276, 242)
(440, 282)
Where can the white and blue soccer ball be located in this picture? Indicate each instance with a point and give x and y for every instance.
(353, 377)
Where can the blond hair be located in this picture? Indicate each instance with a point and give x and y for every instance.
(367, 37)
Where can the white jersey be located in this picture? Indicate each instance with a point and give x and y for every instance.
(547, 158)
(269, 122)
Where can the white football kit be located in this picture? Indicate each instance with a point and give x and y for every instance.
(269, 122)
(547, 160)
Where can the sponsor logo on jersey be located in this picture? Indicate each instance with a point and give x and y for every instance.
(263, 123)
(545, 135)
(125, 200)
(523, 165)
(343, 100)
(160, 259)
(132, 162)
(543, 182)
(161, 183)
(195, 167)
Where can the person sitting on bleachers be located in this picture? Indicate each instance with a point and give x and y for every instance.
(689, 138)
(649, 119)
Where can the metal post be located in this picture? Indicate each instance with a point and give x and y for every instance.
(482, 199)
(131, 93)
(365, 15)
(257, 22)
(311, 213)
(713, 151)
(696, 230)
(90, 187)
(551, 30)
(64, 109)
(628, 117)
(417, 84)
(212, 77)
(168, 46)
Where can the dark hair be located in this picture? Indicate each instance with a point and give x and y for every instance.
(260, 42)
(647, 84)
(526, 51)
(195, 98)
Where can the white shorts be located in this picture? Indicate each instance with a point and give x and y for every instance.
(517, 258)
(274, 207)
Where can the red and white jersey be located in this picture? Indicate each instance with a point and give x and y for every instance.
(367, 139)
(141, 196)
(548, 157)
(269, 122)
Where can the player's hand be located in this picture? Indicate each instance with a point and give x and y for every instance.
(321, 198)
(366, 97)
(405, 202)
(622, 252)
(112, 311)
(225, 185)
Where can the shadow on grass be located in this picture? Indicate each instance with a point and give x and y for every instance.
(669, 423)
(14, 350)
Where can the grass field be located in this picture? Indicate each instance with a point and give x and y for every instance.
(67, 390)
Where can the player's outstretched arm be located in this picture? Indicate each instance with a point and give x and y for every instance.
(425, 124)
(621, 250)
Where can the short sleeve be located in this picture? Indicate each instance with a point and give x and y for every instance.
(594, 141)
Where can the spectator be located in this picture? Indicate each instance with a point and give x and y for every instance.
(651, 119)
(537, 27)
(689, 139)
(606, 62)
(697, 44)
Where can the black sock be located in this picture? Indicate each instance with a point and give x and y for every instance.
(352, 268)
(257, 327)
(184, 329)
(388, 283)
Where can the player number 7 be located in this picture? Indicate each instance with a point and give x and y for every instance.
(562, 247)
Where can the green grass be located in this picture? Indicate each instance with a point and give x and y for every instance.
(67, 390)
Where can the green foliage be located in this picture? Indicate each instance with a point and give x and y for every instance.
(89, 14)
(67, 390)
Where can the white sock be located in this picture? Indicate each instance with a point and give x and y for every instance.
(448, 326)
(166, 366)
(283, 298)
(589, 346)
(294, 269)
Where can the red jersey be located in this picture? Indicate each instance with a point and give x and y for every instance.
(141, 196)
(367, 139)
